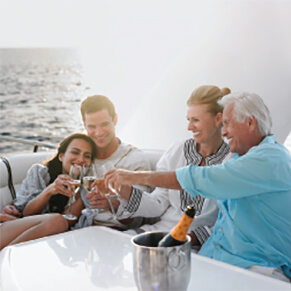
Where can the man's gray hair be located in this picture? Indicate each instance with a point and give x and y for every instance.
(249, 105)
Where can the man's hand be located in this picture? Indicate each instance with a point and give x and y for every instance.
(120, 177)
(120, 180)
(97, 199)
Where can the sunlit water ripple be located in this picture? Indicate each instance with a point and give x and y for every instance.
(40, 94)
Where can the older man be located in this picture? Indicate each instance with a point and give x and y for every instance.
(253, 190)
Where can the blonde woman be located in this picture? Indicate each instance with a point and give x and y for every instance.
(205, 148)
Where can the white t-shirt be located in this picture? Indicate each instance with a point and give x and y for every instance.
(125, 157)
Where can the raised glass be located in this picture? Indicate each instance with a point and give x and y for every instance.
(89, 177)
(76, 174)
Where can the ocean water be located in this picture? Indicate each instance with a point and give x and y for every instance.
(40, 94)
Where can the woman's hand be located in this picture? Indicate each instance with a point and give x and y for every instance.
(61, 185)
(11, 210)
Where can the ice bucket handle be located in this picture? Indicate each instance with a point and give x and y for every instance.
(176, 259)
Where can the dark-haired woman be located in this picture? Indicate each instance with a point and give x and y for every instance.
(45, 191)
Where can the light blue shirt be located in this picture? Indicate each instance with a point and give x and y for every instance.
(254, 200)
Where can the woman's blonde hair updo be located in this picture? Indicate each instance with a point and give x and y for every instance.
(210, 95)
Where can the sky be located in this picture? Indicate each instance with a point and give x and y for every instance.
(149, 55)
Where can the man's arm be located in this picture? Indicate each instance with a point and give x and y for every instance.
(163, 180)
(119, 177)
(261, 170)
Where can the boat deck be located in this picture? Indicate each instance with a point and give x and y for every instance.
(99, 258)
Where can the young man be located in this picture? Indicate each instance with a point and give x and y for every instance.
(100, 119)
(253, 189)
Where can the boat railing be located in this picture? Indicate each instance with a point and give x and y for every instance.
(35, 144)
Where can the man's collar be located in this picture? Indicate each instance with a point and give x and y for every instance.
(267, 139)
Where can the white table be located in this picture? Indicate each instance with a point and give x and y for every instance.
(99, 258)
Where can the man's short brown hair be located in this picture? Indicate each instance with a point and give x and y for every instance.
(97, 103)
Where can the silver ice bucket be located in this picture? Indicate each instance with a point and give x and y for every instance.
(160, 268)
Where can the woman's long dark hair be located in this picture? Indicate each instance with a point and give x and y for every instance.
(58, 202)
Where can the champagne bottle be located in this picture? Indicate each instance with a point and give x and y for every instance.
(177, 235)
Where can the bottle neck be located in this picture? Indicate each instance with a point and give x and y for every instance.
(179, 232)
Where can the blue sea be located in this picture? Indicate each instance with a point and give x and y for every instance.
(40, 94)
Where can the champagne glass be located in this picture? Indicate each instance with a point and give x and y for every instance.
(90, 176)
(75, 173)
(109, 166)
(100, 171)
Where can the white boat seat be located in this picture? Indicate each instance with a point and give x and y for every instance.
(20, 164)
